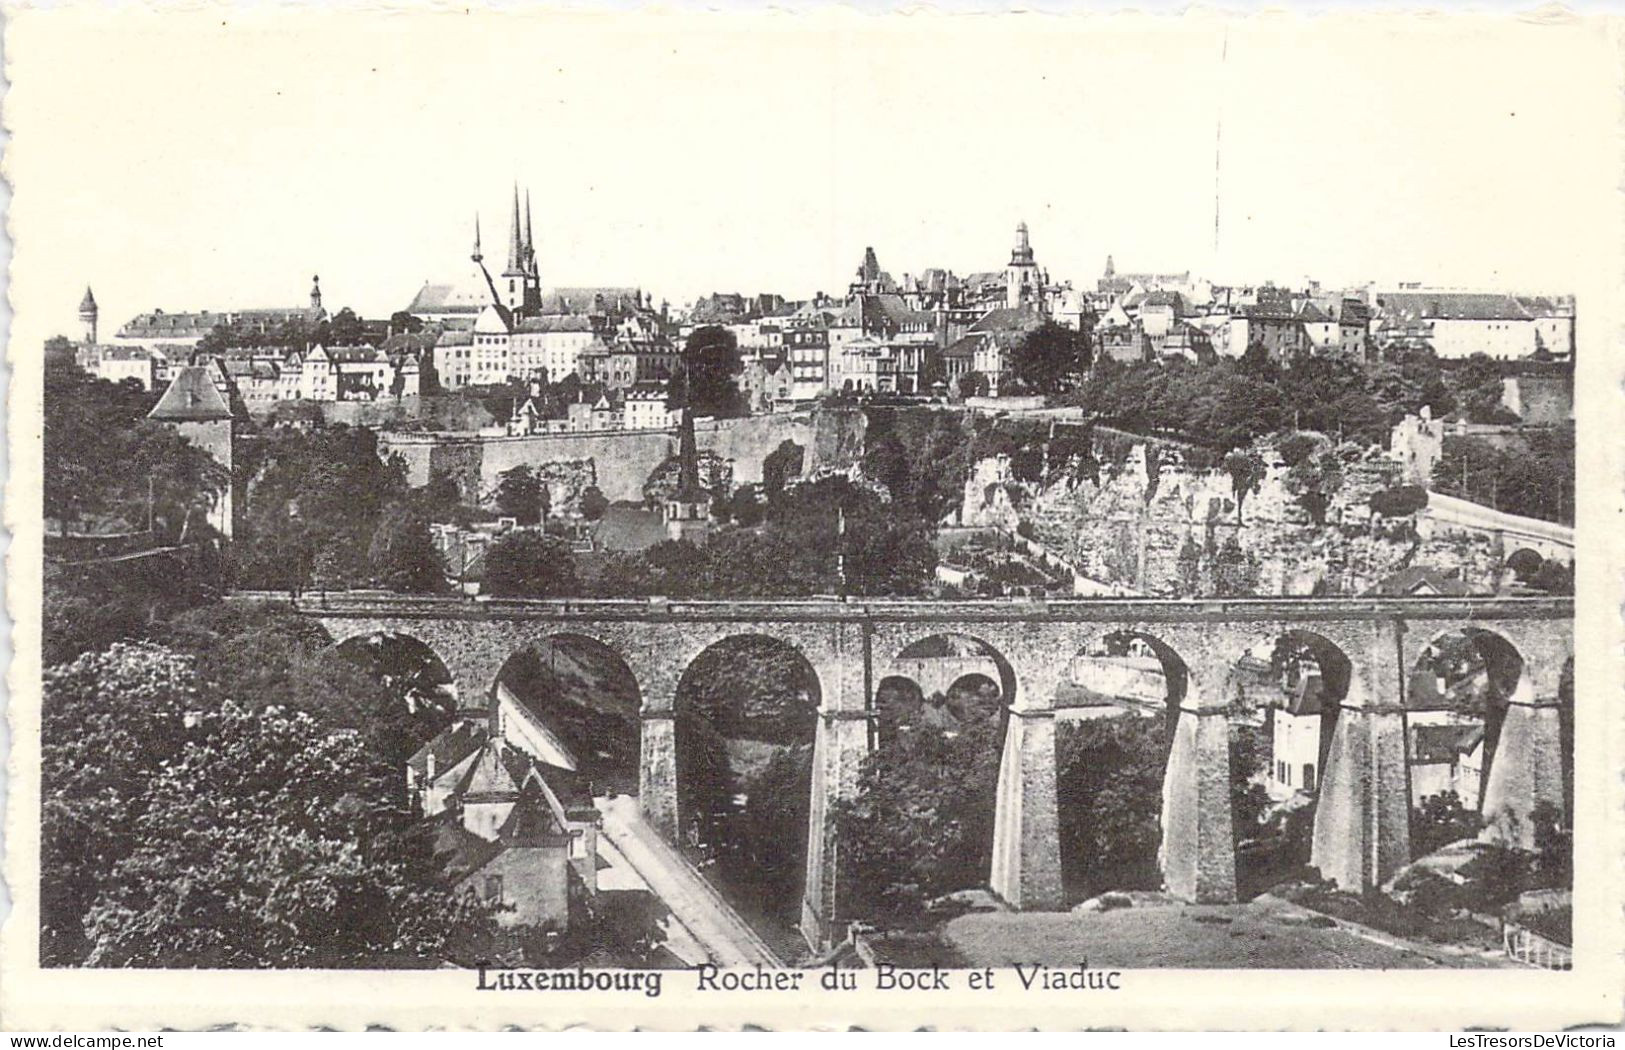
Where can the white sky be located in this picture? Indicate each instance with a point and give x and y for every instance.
(192, 161)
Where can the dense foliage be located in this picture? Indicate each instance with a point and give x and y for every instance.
(522, 495)
(1109, 788)
(183, 827)
(921, 822)
(1532, 474)
(308, 492)
(1049, 359)
(529, 564)
(104, 462)
(799, 548)
(1231, 402)
(746, 718)
(706, 379)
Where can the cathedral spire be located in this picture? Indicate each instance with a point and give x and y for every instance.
(530, 245)
(478, 255)
(516, 250)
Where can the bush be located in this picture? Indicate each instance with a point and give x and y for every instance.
(1398, 502)
(1441, 820)
(529, 565)
(593, 503)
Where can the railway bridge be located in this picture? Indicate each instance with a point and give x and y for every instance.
(1367, 649)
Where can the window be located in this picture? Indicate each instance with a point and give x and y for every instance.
(1309, 776)
(493, 888)
(578, 845)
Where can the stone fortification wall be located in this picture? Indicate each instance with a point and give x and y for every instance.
(1163, 521)
(619, 463)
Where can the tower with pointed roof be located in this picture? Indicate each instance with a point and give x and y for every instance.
(316, 295)
(686, 513)
(533, 273)
(87, 318)
(515, 275)
(197, 410)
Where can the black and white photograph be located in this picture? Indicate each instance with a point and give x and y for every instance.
(671, 504)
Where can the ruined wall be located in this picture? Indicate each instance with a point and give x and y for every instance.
(620, 462)
(1165, 528)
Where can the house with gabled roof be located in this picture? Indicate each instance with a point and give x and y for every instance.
(508, 828)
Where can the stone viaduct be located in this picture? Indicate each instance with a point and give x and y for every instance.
(1367, 649)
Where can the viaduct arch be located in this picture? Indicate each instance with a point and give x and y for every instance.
(1361, 833)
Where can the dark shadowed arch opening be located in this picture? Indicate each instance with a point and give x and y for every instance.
(920, 824)
(571, 701)
(1286, 691)
(420, 699)
(746, 722)
(1455, 701)
(1117, 705)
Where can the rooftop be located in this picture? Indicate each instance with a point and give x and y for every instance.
(191, 397)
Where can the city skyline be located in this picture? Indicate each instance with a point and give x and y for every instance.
(650, 167)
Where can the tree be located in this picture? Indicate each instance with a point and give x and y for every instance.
(106, 464)
(1532, 474)
(932, 373)
(270, 842)
(110, 721)
(1314, 474)
(593, 503)
(1246, 469)
(1109, 775)
(522, 495)
(384, 691)
(706, 381)
(1478, 390)
(1440, 820)
(344, 329)
(59, 352)
(1049, 357)
(529, 564)
(1399, 501)
(402, 553)
(921, 822)
(1258, 363)
(972, 384)
(401, 321)
(312, 491)
(780, 466)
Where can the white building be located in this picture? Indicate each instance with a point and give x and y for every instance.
(644, 407)
(1465, 323)
(1295, 739)
(552, 343)
(1446, 753)
(140, 363)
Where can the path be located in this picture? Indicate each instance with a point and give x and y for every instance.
(705, 918)
(1265, 933)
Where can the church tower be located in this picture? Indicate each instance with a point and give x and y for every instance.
(533, 273)
(316, 294)
(87, 318)
(1023, 283)
(515, 276)
(687, 512)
